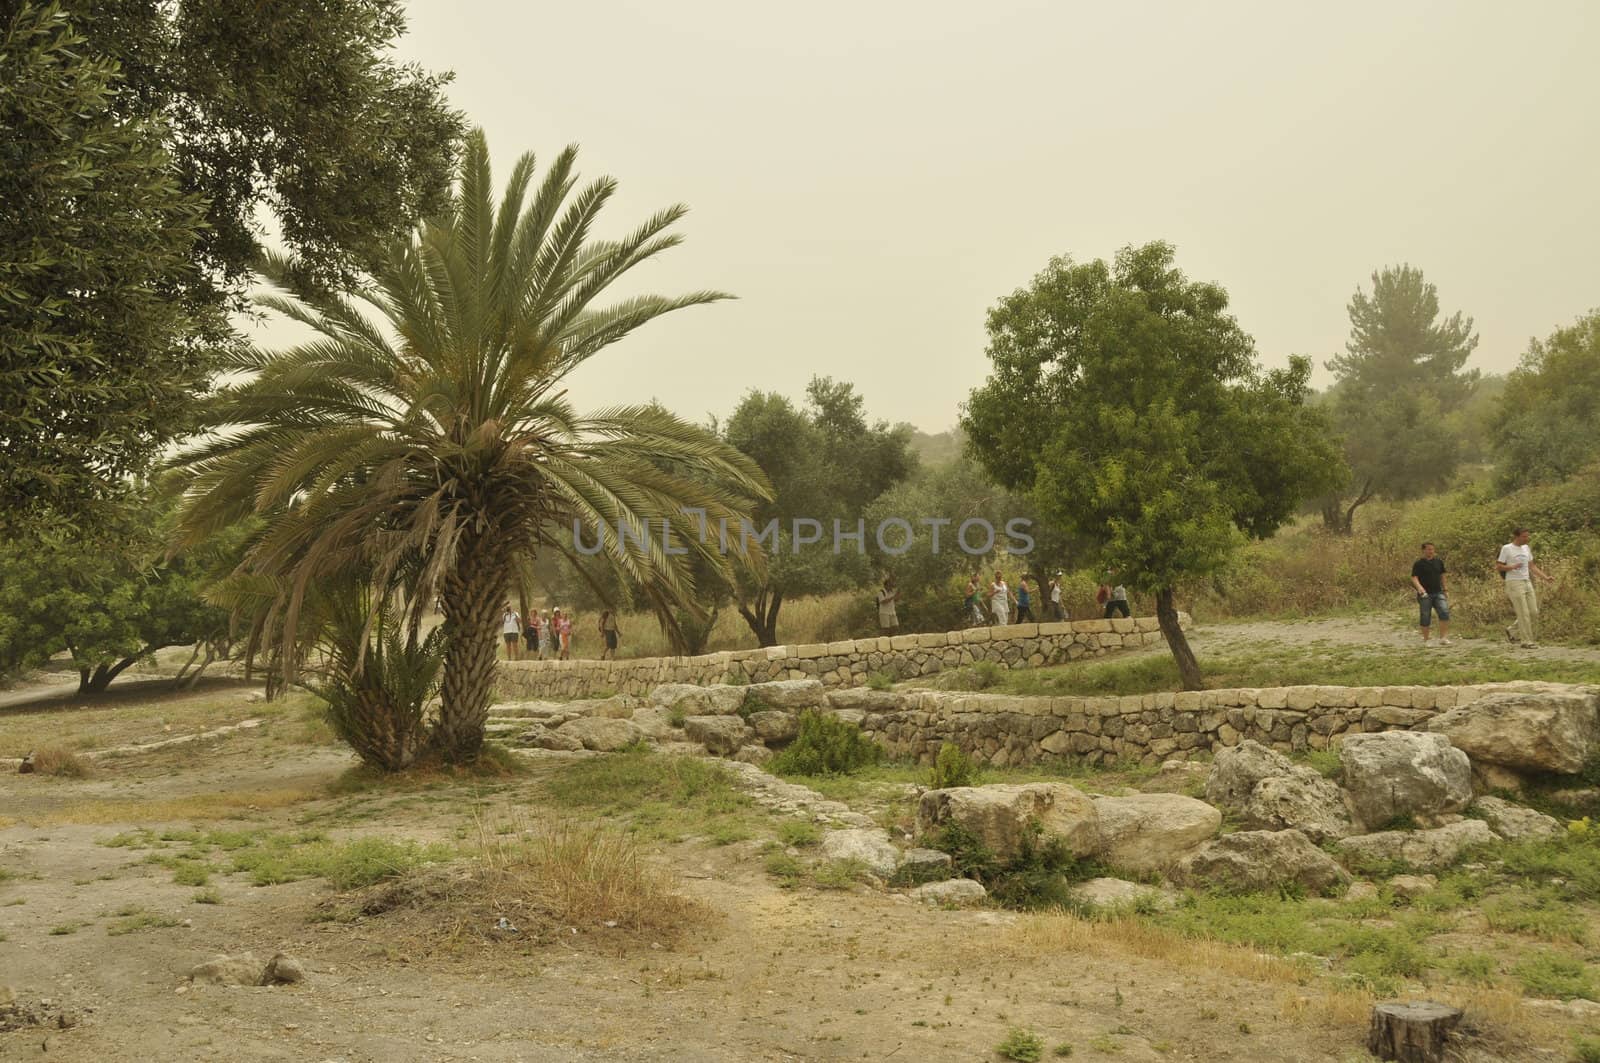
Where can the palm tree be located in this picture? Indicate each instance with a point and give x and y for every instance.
(423, 436)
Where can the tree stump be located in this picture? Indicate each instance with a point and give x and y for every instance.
(1412, 1033)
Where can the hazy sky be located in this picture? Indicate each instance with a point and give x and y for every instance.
(870, 177)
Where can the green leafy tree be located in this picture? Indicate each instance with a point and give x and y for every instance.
(1129, 403)
(1545, 429)
(1400, 380)
(99, 345)
(109, 602)
(431, 443)
(825, 463)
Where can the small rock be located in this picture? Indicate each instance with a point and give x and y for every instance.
(243, 969)
(1112, 893)
(1410, 886)
(951, 893)
(1361, 890)
(1513, 822)
(283, 969)
(871, 846)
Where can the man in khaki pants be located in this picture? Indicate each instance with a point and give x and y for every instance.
(1516, 566)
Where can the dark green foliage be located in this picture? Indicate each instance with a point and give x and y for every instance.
(100, 340)
(1128, 403)
(1545, 429)
(377, 677)
(952, 767)
(826, 745)
(825, 462)
(112, 601)
(1040, 876)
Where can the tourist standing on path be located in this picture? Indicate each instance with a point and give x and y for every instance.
(1427, 576)
(530, 635)
(888, 619)
(1516, 567)
(1117, 599)
(1056, 612)
(511, 628)
(547, 637)
(566, 636)
(610, 635)
(1000, 599)
(1024, 602)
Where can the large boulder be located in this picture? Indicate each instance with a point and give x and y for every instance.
(999, 816)
(869, 846)
(1543, 731)
(1151, 832)
(1427, 850)
(1254, 860)
(951, 893)
(718, 699)
(1270, 792)
(786, 694)
(774, 725)
(867, 700)
(721, 735)
(603, 734)
(1393, 775)
(1515, 823)
(541, 737)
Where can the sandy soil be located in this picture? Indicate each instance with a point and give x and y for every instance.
(778, 974)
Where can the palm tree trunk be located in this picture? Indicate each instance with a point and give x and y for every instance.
(1177, 642)
(473, 595)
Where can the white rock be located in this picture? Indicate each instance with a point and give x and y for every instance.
(951, 893)
(1151, 832)
(1115, 893)
(1001, 816)
(1543, 731)
(1513, 822)
(1257, 860)
(1395, 774)
(1429, 850)
(869, 845)
(603, 734)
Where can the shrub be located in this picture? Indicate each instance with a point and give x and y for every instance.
(880, 681)
(1023, 1046)
(60, 762)
(1040, 876)
(1585, 1049)
(1546, 974)
(952, 767)
(826, 745)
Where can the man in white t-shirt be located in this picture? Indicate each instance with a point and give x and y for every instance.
(1516, 567)
(1056, 611)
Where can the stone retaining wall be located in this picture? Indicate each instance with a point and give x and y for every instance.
(1003, 729)
(837, 664)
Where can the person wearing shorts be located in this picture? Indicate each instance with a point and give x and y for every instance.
(609, 635)
(1427, 579)
(511, 628)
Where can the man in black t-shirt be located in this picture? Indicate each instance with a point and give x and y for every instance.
(1427, 577)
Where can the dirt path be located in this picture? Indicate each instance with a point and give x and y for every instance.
(1362, 632)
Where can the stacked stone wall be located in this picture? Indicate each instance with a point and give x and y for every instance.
(836, 664)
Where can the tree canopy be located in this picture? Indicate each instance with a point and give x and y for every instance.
(99, 346)
(1548, 424)
(1129, 404)
(1400, 379)
(423, 436)
(825, 462)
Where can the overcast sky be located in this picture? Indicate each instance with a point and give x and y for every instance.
(870, 177)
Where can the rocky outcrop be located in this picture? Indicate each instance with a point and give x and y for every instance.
(868, 846)
(1151, 832)
(1271, 792)
(1255, 860)
(792, 694)
(1404, 774)
(603, 734)
(1515, 823)
(717, 699)
(721, 735)
(774, 726)
(1002, 817)
(1540, 731)
(1427, 850)
(1110, 894)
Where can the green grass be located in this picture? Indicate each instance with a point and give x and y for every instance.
(1548, 974)
(345, 865)
(657, 796)
(206, 896)
(134, 920)
(1276, 666)
(799, 833)
(1542, 914)
(1022, 1046)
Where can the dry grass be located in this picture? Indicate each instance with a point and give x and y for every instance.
(546, 879)
(53, 760)
(177, 809)
(1497, 1016)
(141, 712)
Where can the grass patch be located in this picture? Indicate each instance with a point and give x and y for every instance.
(1549, 974)
(799, 833)
(134, 920)
(281, 858)
(1022, 1046)
(826, 745)
(1543, 915)
(61, 763)
(656, 795)
(206, 896)
(239, 804)
(494, 762)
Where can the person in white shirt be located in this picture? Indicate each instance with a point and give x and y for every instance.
(1000, 599)
(511, 628)
(1056, 612)
(1516, 567)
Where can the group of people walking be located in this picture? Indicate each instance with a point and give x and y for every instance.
(996, 602)
(1515, 566)
(550, 636)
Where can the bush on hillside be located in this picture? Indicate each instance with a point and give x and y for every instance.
(826, 745)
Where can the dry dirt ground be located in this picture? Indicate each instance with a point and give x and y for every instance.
(776, 974)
